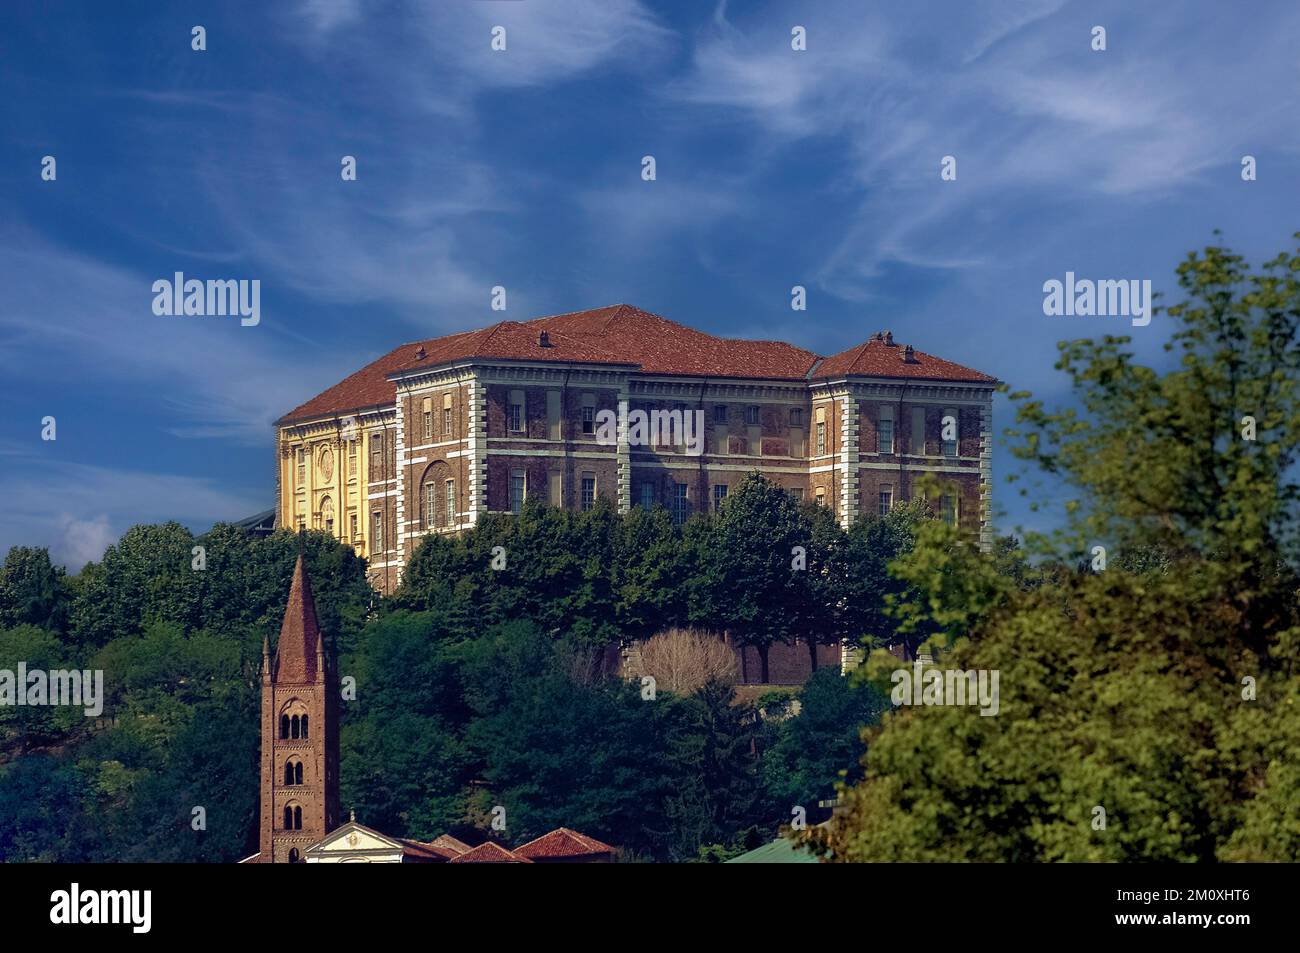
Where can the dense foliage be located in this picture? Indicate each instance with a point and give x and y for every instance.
(1150, 702)
(476, 686)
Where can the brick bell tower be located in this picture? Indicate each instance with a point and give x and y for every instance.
(300, 736)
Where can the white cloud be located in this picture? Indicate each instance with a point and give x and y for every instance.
(77, 509)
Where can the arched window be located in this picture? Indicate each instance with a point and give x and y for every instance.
(304, 726)
(293, 727)
(297, 773)
(284, 726)
(294, 855)
(288, 818)
(288, 772)
(327, 514)
(297, 818)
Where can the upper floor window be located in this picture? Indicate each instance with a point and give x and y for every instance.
(352, 458)
(515, 418)
(949, 428)
(428, 425)
(449, 511)
(886, 500)
(302, 466)
(796, 416)
(327, 514)
(376, 454)
(719, 413)
(719, 494)
(821, 437)
(588, 490)
(446, 421)
(377, 531)
(886, 434)
(588, 419)
(752, 416)
(293, 771)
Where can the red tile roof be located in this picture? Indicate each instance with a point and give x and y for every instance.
(563, 842)
(451, 845)
(490, 853)
(623, 335)
(876, 358)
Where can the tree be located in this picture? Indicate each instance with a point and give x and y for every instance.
(755, 565)
(32, 590)
(684, 660)
(1146, 709)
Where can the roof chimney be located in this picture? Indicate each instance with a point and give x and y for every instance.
(909, 355)
(420, 353)
(543, 339)
(889, 339)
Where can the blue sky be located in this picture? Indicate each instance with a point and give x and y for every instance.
(522, 168)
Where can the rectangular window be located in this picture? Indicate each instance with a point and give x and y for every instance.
(426, 409)
(518, 487)
(647, 496)
(796, 416)
(352, 458)
(821, 437)
(377, 531)
(446, 421)
(751, 416)
(886, 434)
(553, 414)
(681, 505)
(918, 431)
(588, 419)
(556, 483)
(949, 425)
(886, 500)
(719, 413)
(516, 417)
(376, 456)
(588, 490)
(821, 496)
(719, 494)
(798, 493)
(449, 511)
(430, 506)
(949, 503)
(302, 467)
(352, 528)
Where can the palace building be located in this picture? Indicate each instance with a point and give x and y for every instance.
(435, 433)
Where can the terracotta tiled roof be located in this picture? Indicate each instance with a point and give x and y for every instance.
(876, 358)
(413, 848)
(622, 335)
(450, 844)
(563, 842)
(490, 853)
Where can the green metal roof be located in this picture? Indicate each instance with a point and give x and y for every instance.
(780, 851)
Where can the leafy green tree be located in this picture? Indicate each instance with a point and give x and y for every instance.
(32, 590)
(812, 750)
(748, 581)
(1147, 711)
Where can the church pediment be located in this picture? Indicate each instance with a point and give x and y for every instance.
(354, 838)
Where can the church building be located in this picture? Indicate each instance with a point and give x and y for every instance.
(298, 811)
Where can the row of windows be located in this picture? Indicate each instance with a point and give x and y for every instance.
(295, 727)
